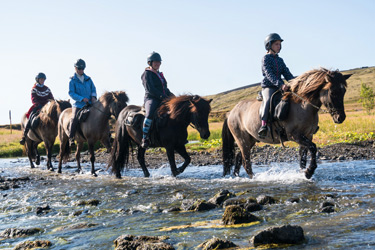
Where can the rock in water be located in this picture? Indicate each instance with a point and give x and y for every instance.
(286, 234)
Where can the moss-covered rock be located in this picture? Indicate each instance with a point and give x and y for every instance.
(237, 215)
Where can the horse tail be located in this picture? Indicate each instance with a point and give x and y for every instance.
(228, 148)
(120, 149)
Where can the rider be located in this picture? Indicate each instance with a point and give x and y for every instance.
(156, 91)
(83, 91)
(40, 95)
(273, 67)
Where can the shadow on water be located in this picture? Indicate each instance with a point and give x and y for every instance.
(137, 205)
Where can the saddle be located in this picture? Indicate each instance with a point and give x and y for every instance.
(135, 120)
(279, 110)
(83, 113)
(34, 120)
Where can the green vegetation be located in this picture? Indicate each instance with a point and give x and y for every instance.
(367, 98)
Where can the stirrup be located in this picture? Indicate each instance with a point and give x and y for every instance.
(23, 140)
(71, 142)
(262, 133)
(145, 143)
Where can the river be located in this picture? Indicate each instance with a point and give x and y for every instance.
(136, 205)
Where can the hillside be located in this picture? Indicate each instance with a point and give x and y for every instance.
(225, 101)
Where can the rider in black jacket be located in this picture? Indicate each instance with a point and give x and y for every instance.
(156, 91)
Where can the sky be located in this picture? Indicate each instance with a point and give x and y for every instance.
(207, 46)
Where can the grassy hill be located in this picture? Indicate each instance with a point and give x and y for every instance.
(225, 101)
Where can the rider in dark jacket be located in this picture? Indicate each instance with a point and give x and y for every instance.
(40, 96)
(273, 67)
(156, 91)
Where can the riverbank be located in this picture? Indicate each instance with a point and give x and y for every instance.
(261, 155)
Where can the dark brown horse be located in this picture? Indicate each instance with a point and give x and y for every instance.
(46, 131)
(95, 128)
(308, 92)
(178, 113)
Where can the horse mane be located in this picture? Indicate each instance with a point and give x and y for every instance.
(49, 114)
(179, 107)
(118, 96)
(309, 84)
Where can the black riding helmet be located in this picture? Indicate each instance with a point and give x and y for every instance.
(40, 76)
(270, 39)
(154, 56)
(80, 64)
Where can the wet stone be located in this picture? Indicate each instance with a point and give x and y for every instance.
(216, 243)
(293, 200)
(327, 204)
(286, 234)
(237, 215)
(265, 200)
(329, 209)
(43, 210)
(16, 233)
(129, 242)
(220, 197)
(253, 207)
(92, 202)
(36, 244)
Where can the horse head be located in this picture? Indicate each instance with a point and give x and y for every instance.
(200, 109)
(116, 100)
(332, 95)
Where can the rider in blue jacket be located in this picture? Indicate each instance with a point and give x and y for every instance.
(156, 91)
(82, 90)
(273, 67)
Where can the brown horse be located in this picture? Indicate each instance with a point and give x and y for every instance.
(308, 92)
(178, 113)
(46, 131)
(95, 128)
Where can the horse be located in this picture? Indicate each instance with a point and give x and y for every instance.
(173, 117)
(307, 94)
(46, 131)
(94, 128)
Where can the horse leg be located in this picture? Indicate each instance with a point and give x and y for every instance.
(29, 150)
(237, 165)
(245, 142)
(303, 156)
(49, 156)
(304, 141)
(182, 151)
(78, 157)
(92, 159)
(172, 161)
(63, 143)
(37, 161)
(141, 160)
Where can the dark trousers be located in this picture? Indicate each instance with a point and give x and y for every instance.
(150, 106)
(31, 116)
(73, 122)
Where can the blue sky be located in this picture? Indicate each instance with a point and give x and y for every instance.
(207, 46)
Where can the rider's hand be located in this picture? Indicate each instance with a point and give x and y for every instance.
(85, 100)
(285, 87)
(93, 99)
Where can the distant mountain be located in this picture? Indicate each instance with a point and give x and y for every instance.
(225, 101)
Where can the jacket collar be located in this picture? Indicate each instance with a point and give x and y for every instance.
(75, 77)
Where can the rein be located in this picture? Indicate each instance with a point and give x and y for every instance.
(303, 99)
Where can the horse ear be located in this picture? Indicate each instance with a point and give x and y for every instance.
(347, 76)
(209, 101)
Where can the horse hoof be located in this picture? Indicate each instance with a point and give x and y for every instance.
(94, 174)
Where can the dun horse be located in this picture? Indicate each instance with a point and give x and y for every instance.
(46, 131)
(178, 113)
(308, 93)
(95, 128)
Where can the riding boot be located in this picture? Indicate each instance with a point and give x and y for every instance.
(146, 129)
(27, 128)
(262, 133)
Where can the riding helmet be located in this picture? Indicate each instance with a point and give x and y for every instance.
(271, 38)
(80, 64)
(40, 76)
(154, 56)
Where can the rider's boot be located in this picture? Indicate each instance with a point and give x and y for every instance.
(146, 129)
(23, 140)
(262, 133)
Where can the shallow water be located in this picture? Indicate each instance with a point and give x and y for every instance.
(134, 204)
